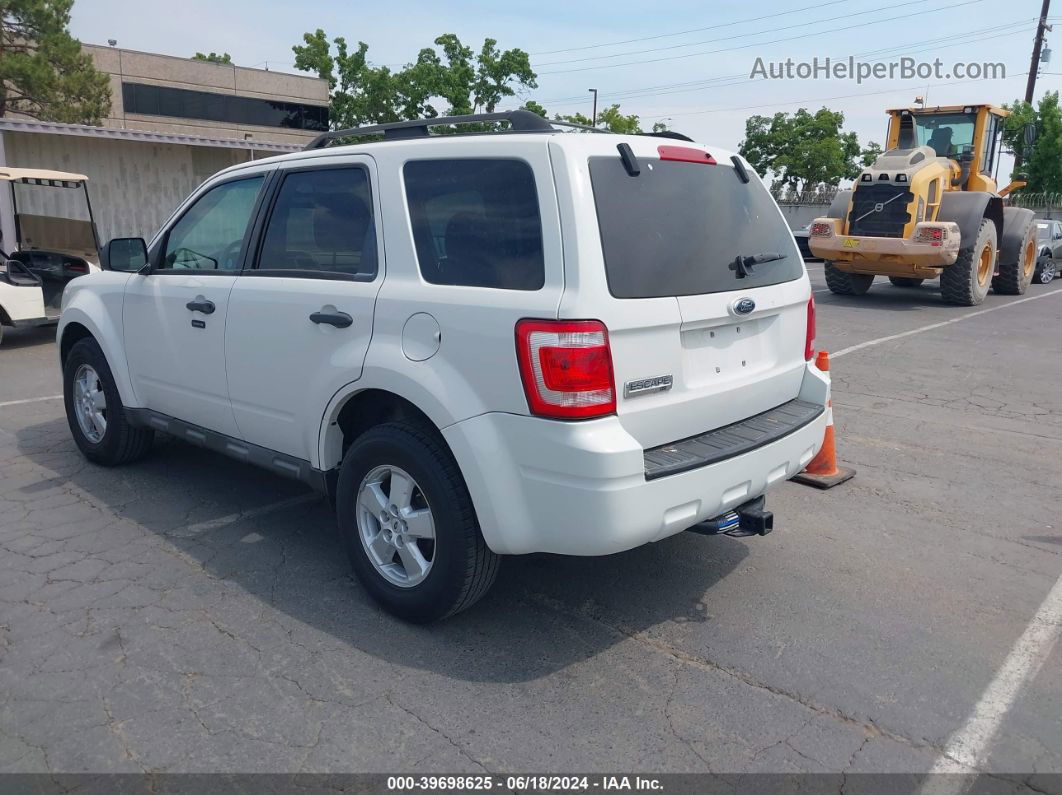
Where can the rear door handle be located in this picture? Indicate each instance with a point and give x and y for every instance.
(206, 307)
(337, 319)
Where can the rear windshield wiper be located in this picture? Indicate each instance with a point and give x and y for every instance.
(742, 266)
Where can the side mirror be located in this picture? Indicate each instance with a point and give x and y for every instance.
(19, 275)
(125, 254)
(1030, 134)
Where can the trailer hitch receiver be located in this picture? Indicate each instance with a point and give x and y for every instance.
(749, 519)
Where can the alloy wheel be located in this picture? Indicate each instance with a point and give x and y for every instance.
(396, 526)
(90, 403)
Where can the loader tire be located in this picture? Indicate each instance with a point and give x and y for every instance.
(1015, 277)
(904, 281)
(841, 283)
(966, 281)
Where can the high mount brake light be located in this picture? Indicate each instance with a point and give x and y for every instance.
(566, 368)
(686, 154)
(809, 338)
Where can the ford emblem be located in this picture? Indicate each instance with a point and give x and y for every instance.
(744, 306)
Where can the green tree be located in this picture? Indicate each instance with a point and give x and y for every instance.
(1044, 163)
(611, 119)
(1021, 113)
(870, 153)
(223, 58)
(43, 72)
(534, 107)
(803, 150)
(464, 80)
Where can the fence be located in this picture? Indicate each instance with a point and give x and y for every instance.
(808, 197)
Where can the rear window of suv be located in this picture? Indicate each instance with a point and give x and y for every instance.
(476, 222)
(677, 227)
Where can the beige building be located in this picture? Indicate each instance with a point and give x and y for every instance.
(160, 93)
(173, 123)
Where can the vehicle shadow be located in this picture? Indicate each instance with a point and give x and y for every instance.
(887, 297)
(544, 613)
(27, 337)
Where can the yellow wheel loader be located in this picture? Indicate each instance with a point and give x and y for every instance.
(929, 208)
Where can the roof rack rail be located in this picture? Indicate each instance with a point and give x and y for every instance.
(519, 121)
(669, 134)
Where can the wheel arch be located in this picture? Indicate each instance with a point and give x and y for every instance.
(967, 209)
(77, 324)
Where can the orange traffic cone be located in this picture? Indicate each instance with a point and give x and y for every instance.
(823, 472)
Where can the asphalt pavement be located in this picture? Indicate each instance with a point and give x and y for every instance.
(193, 614)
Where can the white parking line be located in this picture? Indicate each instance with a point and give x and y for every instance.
(966, 750)
(30, 400)
(931, 326)
(222, 521)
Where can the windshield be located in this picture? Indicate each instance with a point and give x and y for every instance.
(946, 133)
(676, 229)
(1043, 231)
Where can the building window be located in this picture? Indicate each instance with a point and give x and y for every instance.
(181, 103)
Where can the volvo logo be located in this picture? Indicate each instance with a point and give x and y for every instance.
(879, 207)
(744, 306)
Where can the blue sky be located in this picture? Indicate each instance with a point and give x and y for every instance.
(705, 93)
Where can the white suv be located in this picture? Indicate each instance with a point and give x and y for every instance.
(479, 345)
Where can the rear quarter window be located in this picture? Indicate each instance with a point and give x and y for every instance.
(476, 222)
(677, 227)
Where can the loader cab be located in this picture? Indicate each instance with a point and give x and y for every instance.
(958, 132)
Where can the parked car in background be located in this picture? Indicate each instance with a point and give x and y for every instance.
(460, 386)
(801, 237)
(1049, 240)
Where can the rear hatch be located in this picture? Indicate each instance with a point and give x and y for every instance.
(682, 304)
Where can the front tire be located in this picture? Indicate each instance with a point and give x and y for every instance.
(408, 524)
(842, 283)
(966, 281)
(1015, 277)
(95, 412)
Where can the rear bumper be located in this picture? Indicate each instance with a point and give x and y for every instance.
(870, 254)
(581, 488)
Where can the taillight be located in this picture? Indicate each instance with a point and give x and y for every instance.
(566, 367)
(809, 339)
(931, 234)
(821, 230)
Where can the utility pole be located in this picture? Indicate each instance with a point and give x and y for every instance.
(594, 92)
(1034, 65)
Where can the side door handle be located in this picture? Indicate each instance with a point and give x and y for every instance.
(337, 319)
(204, 306)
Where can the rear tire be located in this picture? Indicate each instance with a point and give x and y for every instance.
(966, 281)
(841, 283)
(444, 571)
(111, 439)
(1015, 277)
(1046, 270)
(903, 281)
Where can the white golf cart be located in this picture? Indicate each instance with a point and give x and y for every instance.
(50, 247)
